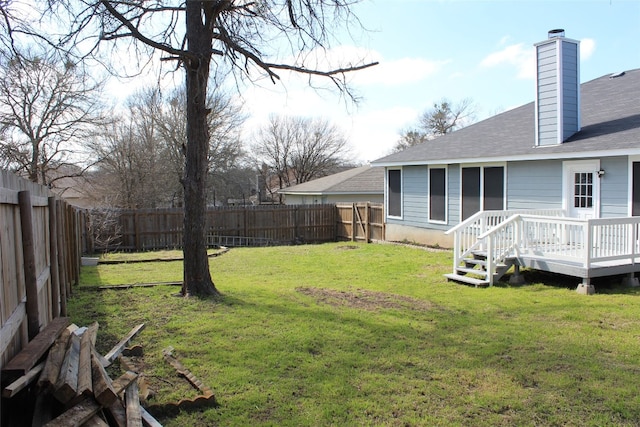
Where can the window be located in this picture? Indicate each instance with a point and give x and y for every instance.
(494, 188)
(470, 191)
(394, 191)
(583, 190)
(482, 189)
(437, 194)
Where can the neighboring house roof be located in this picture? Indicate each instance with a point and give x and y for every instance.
(610, 125)
(361, 180)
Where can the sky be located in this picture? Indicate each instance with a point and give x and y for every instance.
(429, 50)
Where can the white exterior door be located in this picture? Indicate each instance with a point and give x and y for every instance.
(582, 189)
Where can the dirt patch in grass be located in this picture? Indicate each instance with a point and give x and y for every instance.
(365, 300)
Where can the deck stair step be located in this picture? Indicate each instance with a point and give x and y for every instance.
(475, 261)
(466, 270)
(474, 270)
(467, 279)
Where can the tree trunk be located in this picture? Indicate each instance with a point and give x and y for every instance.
(197, 278)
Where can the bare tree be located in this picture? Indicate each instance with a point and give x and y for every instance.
(225, 122)
(445, 117)
(48, 107)
(133, 157)
(299, 149)
(241, 35)
(409, 138)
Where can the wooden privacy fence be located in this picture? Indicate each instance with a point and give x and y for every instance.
(40, 251)
(360, 221)
(150, 229)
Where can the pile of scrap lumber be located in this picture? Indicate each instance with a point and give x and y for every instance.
(59, 379)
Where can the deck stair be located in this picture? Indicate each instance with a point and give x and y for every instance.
(473, 270)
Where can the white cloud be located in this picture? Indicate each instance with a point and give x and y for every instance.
(373, 134)
(398, 72)
(587, 47)
(518, 55)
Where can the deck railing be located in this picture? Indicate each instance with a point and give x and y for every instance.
(466, 237)
(580, 241)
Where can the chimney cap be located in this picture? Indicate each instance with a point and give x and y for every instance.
(559, 32)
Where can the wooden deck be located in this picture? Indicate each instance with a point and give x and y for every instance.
(544, 240)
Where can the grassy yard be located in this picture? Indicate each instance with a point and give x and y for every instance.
(373, 335)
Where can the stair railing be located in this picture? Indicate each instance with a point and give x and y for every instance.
(467, 234)
(502, 241)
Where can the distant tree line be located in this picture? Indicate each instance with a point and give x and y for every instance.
(55, 124)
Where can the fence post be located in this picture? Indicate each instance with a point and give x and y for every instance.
(29, 258)
(353, 222)
(53, 259)
(367, 219)
(62, 273)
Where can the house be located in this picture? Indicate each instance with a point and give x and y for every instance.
(361, 184)
(571, 159)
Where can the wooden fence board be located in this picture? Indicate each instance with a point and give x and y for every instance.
(148, 229)
(19, 308)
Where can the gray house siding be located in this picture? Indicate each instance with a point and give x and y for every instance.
(570, 88)
(557, 84)
(614, 187)
(454, 195)
(534, 185)
(415, 209)
(547, 95)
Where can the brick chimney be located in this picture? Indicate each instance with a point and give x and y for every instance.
(557, 89)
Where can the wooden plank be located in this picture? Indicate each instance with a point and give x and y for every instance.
(36, 348)
(53, 259)
(123, 381)
(182, 370)
(29, 263)
(136, 285)
(43, 409)
(88, 407)
(134, 415)
(12, 326)
(85, 384)
(66, 387)
(148, 419)
(55, 358)
(95, 421)
(103, 390)
(77, 415)
(115, 414)
(117, 349)
(19, 384)
(62, 272)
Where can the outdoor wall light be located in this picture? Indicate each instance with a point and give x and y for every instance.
(600, 173)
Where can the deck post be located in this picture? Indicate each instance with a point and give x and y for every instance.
(516, 278)
(630, 281)
(587, 231)
(586, 288)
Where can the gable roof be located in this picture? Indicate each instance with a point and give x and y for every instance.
(361, 180)
(610, 118)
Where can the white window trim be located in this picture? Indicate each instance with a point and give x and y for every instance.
(446, 194)
(386, 193)
(631, 161)
(482, 166)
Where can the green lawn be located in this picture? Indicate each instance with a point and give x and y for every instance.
(373, 335)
